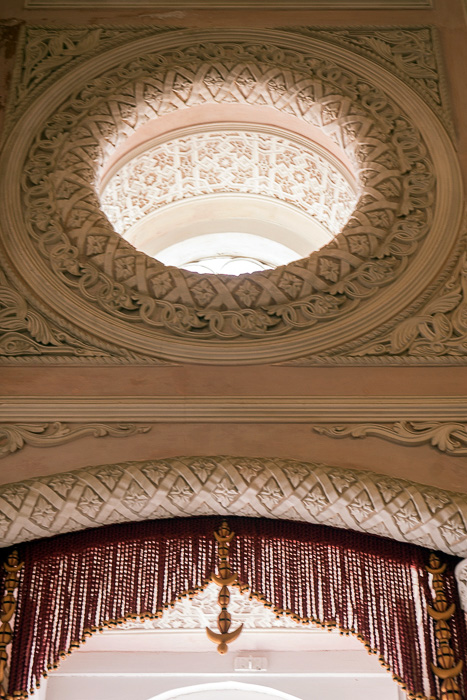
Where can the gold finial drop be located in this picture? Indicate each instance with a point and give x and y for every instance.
(446, 668)
(7, 609)
(224, 578)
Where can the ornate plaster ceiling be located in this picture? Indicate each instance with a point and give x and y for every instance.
(270, 165)
(387, 260)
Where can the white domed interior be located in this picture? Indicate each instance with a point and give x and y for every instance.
(228, 199)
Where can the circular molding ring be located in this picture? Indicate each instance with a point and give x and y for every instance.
(256, 487)
(393, 246)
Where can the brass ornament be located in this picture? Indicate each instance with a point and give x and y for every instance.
(224, 579)
(447, 668)
(7, 609)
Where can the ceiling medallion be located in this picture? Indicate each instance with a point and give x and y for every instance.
(388, 250)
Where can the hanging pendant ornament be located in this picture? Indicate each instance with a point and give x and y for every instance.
(447, 668)
(12, 567)
(224, 578)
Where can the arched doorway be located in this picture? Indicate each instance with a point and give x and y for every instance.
(276, 658)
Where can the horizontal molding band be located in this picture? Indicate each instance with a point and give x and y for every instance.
(232, 409)
(234, 4)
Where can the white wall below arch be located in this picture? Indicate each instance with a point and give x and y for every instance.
(167, 664)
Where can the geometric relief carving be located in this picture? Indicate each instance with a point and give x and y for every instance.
(373, 248)
(228, 160)
(86, 268)
(189, 613)
(411, 53)
(130, 491)
(387, 155)
(445, 436)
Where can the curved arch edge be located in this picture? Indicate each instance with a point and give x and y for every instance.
(225, 485)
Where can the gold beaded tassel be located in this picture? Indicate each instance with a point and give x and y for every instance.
(446, 669)
(224, 579)
(7, 609)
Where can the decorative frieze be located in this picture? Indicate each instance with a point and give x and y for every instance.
(238, 4)
(256, 487)
(233, 409)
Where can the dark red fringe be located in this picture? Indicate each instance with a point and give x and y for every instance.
(376, 588)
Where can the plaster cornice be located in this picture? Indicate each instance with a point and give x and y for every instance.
(233, 409)
(237, 4)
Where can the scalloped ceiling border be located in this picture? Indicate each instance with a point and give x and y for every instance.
(196, 351)
(256, 487)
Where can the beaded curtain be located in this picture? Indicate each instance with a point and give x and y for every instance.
(378, 589)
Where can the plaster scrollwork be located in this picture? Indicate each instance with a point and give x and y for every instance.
(438, 330)
(82, 261)
(16, 436)
(46, 53)
(256, 487)
(461, 576)
(25, 332)
(446, 437)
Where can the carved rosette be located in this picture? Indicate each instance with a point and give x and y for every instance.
(447, 668)
(7, 610)
(224, 579)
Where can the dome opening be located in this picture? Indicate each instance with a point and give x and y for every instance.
(228, 199)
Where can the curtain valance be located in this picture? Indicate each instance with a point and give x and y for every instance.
(378, 589)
